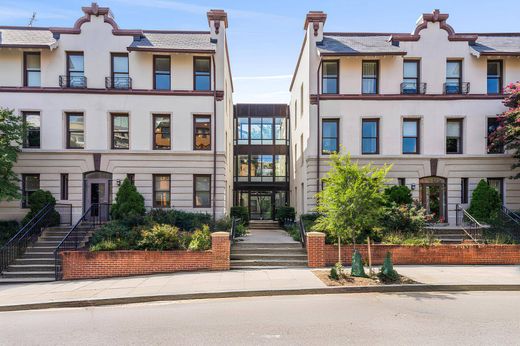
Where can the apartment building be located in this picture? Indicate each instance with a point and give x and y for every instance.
(424, 102)
(104, 103)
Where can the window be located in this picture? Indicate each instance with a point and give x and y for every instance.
(330, 77)
(401, 181)
(161, 136)
(75, 70)
(410, 77)
(280, 168)
(370, 71)
(261, 167)
(32, 69)
(261, 131)
(492, 125)
(280, 130)
(464, 192)
(64, 187)
(161, 190)
(32, 122)
(242, 130)
(201, 132)
(30, 184)
(411, 136)
(131, 178)
(497, 184)
(494, 76)
(201, 73)
(330, 136)
(120, 132)
(120, 74)
(201, 191)
(162, 73)
(453, 77)
(370, 136)
(75, 131)
(454, 136)
(301, 99)
(242, 168)
(301, 150)
(295, 114)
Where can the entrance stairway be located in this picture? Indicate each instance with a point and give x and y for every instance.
(267, 247)
(450, 234)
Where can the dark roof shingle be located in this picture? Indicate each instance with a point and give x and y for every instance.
(174, 41)
(362, 44)
(25, 37)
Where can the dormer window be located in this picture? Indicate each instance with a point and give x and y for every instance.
(32, 69)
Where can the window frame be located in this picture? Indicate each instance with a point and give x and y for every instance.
(370, 78)
(26, 70)
(154, 190)
(492, 152)
(112, 72)
(464, 190)
(417, 137)
(113, 132)
(154, 58)
(25, 199)
(401, 181)
(64, 186)
(201, 116)
(459, 78)
(25, 143)
(500, 76)
(154, 141)
(370, 120)
(323, 78)
(69, 132)
(418, 73)
(201, 74)
(75, 53)
(461, 135)
(329, 120)
(195, 176)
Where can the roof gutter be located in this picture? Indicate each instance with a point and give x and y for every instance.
(214, 199)
(318, 128)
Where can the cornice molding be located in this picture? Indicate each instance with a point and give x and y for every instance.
(401, 97)
(56, 90)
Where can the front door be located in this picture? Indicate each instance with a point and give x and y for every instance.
(260, 205)
(433, 193)
(97, 191)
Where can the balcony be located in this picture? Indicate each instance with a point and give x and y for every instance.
(454, 88)
(123, 83)
(413, 88)
(73, 82)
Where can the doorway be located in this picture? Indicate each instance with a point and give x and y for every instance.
(433, 196)
(260, 205)
(97, 190)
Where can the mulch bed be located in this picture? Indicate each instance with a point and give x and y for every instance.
(348, 280)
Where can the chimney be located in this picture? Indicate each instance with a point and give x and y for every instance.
(218, 22)
(314, 22)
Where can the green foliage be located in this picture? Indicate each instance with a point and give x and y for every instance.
(388, 274)
(240, 213)
(406, 218)
(399, 194)
(201, 239)
(37, 201)
(160, 237)
(357, 265)
(116, 232)
(422, 238)
(352, 200)
(309, 220)
(241, 230)
(12, 132)
(485, 202)
(336, 272)
(105, 245)
(285, 214)
(294, 231)
(183, 220)
(129, 202)
(7, 230)
(223, 224)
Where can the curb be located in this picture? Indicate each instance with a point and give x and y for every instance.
(261, 293)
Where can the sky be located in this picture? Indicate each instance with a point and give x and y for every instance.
(265, 36)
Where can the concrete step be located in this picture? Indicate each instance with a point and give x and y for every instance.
(32, 261)
(274, 262)
(261, 257)
(244, 267)
(38, 254)
(26, 275)
(242, 245)
(47, 243)
(30, 268)
(268, 251)
(24, 280)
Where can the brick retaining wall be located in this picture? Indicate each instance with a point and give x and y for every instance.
(103, 264)
(321, 255)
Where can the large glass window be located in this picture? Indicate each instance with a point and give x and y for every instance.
(492, 125)
(120, 131)
(162, 132)
(494, 76)
(32, 69)
(370, 77)
(202, 74)
(32, 124)
(370, 133)
(329, 136)
(120, 74)
(75, 131)
(330, 77)
(280, 130)
(411, 136)
(280, 166)
(75, 70)
(261, 131)
(202, 191)
(453, 77)
(410, 77)
(261, 167)
(242, 130)
(202, 132)
(162, 73)
(454, 136)
(30, 184)
(161, 190)
(242, 168)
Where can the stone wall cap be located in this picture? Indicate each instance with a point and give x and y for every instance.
(315, 234)
(220, 234)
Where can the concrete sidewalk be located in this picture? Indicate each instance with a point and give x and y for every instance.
(232, 281)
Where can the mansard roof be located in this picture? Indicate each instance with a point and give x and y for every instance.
(173, 41)
(25, 37)
(497, 44)
(358, 44)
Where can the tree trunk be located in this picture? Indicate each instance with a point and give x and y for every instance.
(339, 249)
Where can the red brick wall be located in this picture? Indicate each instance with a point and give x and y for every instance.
(103, 264)
(462, 254)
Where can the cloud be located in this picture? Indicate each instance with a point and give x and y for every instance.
(282, 76)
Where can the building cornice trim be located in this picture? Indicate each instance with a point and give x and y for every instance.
(56, 90)
(400, 97)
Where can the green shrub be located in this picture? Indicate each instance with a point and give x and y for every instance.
(7, 230)
(422, 238)
(398, 194)
(223, 224)
(336, 272)
(37, 201)
(241, 230)
(160, 237)
(105, 245)
(129, 202)
(118, 233)
(285, 214)
(388, 274)
(184, 240)
(201, 239)
(294, 231)
(406, 218)
(184, 220)
(241, 213)
(485, 202)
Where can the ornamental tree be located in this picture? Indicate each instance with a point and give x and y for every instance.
(507, 134)
(11, 136)
(352, 199)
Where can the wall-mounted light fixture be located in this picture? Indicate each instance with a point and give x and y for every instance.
(412, 186)
(118, 182)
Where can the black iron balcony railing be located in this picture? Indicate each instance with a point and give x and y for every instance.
(413, 88)
(452, 88)
(73, 81)
(118, 82)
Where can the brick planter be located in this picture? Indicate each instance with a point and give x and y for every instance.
(321, 255)
(104, 264)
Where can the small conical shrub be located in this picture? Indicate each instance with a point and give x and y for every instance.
(387, 272)
(485, 202)
(129, 202)
(357, 265)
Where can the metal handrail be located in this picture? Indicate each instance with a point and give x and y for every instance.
(233, 229)
(469, 224)
(118, 82)
(462, 88)
(303, 232)
(66, 81)
(511, 215)
(95, 215)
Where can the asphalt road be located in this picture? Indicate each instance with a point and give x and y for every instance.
(467, 318)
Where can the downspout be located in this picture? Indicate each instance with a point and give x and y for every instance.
(214, 138)
(318, 183)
